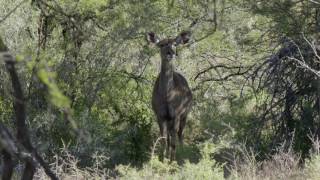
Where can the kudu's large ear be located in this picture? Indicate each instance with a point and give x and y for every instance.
(152, 38)
(183, 37)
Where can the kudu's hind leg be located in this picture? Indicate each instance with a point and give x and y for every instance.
(163, 140)
(172, 128)
(168, 145)
(173, 144)
(181, 128)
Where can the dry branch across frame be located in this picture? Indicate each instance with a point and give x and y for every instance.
(21, 147)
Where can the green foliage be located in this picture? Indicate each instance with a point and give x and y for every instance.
(289, 18)
(6, 113)
(136, 135)
(56, 97)
(206, 168)
(2, 46)
(90, 57)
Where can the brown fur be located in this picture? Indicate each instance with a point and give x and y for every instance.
(171, 98)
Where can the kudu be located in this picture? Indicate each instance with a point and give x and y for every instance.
(172, 97)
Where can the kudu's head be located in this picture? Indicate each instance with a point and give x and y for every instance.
(168, 46)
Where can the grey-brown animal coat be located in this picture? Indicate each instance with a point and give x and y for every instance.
(172, 97)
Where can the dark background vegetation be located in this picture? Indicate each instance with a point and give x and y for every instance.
(87, 74)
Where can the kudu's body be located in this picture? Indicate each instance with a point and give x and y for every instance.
(172, 97)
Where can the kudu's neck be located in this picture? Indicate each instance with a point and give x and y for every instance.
(166, 75)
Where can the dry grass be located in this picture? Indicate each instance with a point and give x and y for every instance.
(285, 164)
(66, 168)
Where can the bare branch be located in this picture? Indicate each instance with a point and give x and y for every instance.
(305, 66)
(302, 63)
(22, 130)
(221, 66)
(314, 1)
(227, 77)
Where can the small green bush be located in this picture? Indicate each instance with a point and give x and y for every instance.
(206, 168)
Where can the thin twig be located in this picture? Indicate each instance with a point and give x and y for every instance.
(155, 145)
